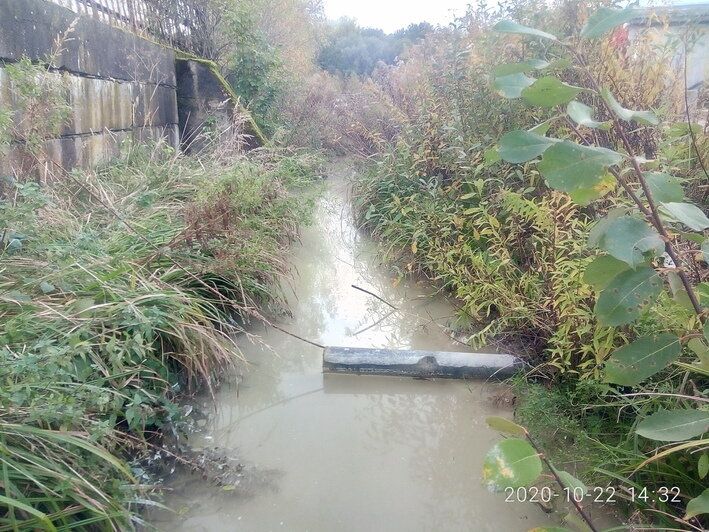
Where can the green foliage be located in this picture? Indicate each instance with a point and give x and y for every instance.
(549, 92)
(643, 358)
(509, 26)
(699, 505)
(49, 481)
(630, 240)
(569, 167)
(505, 425)
(512, 85)
(254, 67)
(605, 19)
(641, 117)
(674, 425)
(350, 49)
(582, 114)
(40, 106)
(664, 188)
(523, 146)
(627, 295)
(511, 463)
(495, 198)
(602, 271)
(524, 66)
(635, 236)
(504, 244)
(104, 330)
(686, 213)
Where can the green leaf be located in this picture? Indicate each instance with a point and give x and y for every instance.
(15, 296)
(703, 465)
(560, 64)
(627, 295)
(523, 146)
(584, 196)
(674, 425)
(702, 351)
(511, 463)
(508, 26)
(524, 66)
(599, 229)
(605, 19)
(641, 117)
(541, 129)
(15, 244)
(491, 156)
(699, 505)
(632, 364)
(679, 293)
(687, 213)
(582, 114)
(511, 86)
(693, 237)
(43, 518)
(570, 481)
(47, 288)
(698, 347)
(629, 238)
(505, 425)
(549, 91)
(569, 166)
(664, 187)
(703, 292)
(602, 271)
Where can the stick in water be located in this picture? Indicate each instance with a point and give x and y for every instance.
(374, 295)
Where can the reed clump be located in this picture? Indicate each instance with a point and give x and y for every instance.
(121, 291)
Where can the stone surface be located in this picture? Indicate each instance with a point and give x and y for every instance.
(118, 85)
(30, 27)
(83, 151)
(206, 109)
(414, 363)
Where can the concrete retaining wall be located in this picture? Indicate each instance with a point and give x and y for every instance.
(119, 86)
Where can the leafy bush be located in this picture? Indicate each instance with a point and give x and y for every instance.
(644, 227)
(472, 193)
(119, 294)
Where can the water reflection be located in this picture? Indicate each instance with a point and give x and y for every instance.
(343, 452)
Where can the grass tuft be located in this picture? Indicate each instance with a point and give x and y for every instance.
(122, 290)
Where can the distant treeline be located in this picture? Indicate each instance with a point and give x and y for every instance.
(351, 49)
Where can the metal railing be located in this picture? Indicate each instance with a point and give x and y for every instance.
(183, 24)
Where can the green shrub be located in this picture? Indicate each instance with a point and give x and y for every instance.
(118, 296)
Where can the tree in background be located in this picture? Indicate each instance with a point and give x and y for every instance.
(351, 49)
(264, 47)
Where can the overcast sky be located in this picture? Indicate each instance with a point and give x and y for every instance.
(391, 15)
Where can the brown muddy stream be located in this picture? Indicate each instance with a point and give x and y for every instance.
(330, 453)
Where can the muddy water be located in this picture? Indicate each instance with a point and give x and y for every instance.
(329, 453)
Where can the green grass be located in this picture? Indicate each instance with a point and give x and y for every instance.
(122, 290)
(587, 429)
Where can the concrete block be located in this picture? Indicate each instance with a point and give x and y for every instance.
(414, 363)
(30, 27)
